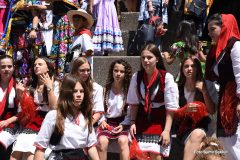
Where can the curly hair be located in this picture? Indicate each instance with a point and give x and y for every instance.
(210, 146)
(110, 79)
(66, 107)
(76, 64)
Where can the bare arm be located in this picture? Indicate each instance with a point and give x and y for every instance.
(133, 116)
(33, 33)
(5, 123)
(39, 154)
(96, 117)
(166, 132)
(207, 99)
(169, 59)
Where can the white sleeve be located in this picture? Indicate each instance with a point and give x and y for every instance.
(47, 128)
(235, 56)
(102, 118)
(171, 95)
(132, 97)
(56, 88)
(92, 139)
(87, 43)
(97, 98)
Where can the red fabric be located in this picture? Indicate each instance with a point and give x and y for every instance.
(136, 152)
(28, 107)
(229, 29)
(4, 100)
(36, 122)
(183, 116)
(82, 31)
(148, 85)
(228, 106)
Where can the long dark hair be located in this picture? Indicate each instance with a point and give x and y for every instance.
(217, 18)
(66, 107)
(110, 79)
(199, 76)
(187, 33)
(33, 80)
(156, 52)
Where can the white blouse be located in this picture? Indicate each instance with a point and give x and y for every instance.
(10, 98)
(171, 94)
(97, 98)
(75, 135)
(38, 98)
(115, 104)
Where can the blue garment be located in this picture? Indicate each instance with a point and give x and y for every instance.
(144, 15)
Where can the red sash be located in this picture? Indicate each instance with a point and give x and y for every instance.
(5, 98)
(82, 31)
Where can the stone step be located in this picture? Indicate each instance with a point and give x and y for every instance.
(101, 65)
(129, 21)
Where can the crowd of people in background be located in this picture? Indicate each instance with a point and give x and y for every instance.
(51, 107)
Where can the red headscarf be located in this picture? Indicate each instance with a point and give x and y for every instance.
(229, 29)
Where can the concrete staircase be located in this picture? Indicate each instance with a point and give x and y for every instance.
(101, 64)
(128, 25)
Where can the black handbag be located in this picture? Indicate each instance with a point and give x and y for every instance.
(143, 35)
(197, 7)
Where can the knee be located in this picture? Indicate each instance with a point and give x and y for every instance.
(123, 141)
(197, 135)
(102, 143)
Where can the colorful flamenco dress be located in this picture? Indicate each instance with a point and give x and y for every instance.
(3, 15)
(62, 33)
(107, 34)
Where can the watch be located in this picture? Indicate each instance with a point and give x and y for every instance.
(49, 89)
(34, 28)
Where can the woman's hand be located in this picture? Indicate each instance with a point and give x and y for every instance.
(200, 86)
(4, 123)
(118, 129)
(47, 81)
(191, 108)
(104, 124)
(165, 136)
(133, 130)
(20, 89)
(33, 34)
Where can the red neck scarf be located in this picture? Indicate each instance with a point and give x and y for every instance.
(5, 98)
(229, 29)
(82, 31)
(148, 86)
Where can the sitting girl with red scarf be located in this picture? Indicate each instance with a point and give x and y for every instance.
(8, 104)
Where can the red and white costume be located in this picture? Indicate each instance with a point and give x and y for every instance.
(26, 135)
(114, 115)
(164, 97)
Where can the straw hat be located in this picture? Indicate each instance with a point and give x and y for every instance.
(82, 13)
